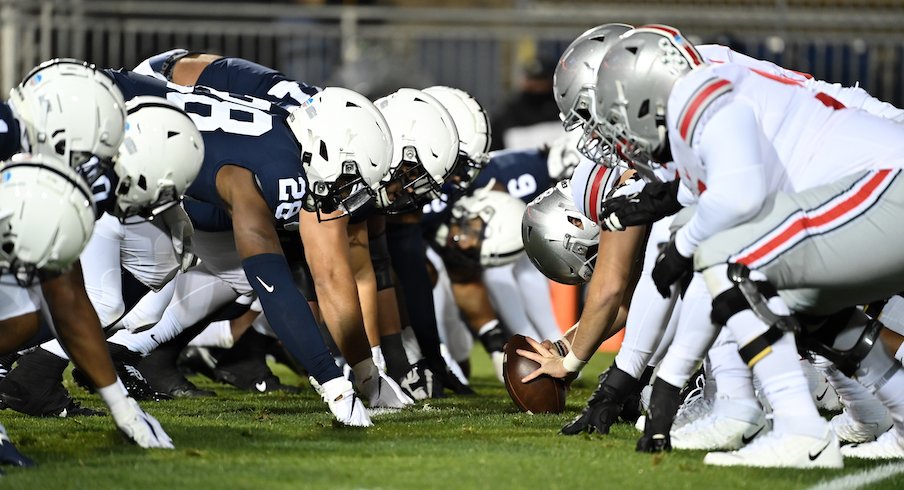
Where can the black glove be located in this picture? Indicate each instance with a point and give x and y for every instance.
(654, 202)
(672, 267)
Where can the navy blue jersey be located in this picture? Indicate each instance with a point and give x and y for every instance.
(240, 76)
(238, 130)
(103, 189)
(10, 142)
(522, 173)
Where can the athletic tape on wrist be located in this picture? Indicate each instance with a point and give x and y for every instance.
(572, 363)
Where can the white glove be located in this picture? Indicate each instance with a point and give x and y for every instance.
(139, 426)
(340, 395)
(382, 392)
(180, 230)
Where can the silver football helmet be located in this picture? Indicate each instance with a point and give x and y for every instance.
(425, 149)
(633, 86)
(46, 217)
(486, 227)
(71, 110)
(560, 241)
(346, 147)
(574, 81)
(159, 158)
(474, 136)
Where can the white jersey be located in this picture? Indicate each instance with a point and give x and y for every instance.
(851, 97)
(749, 133)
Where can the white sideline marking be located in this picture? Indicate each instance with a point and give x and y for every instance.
(862, 478)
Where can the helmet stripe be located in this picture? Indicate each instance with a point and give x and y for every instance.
(678, 41)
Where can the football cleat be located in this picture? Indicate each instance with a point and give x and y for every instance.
(382, 392)
(775, 450)
(720, 431)
(655, 443)
(418, 383)
(692, 409)
(9, 454)
(340, 395)
(598, 417)
(873, 422)
(889, 445)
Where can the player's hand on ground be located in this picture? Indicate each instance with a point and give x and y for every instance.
(340, 395)
(550, 361)
(139, 426)
(181, 231)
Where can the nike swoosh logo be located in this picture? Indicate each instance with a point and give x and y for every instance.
(823, 395)
(746, 440)
(266, 286)
(262, 386)
(814, 456)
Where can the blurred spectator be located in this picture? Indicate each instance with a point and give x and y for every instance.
(530, 118)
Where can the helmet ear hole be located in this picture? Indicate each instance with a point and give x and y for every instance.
(8, 248)
(143, 183)
(60, 147)
(323, 153)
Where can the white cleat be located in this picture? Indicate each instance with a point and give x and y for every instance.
(382, 392)
(889, 445)
(694, 409)
(871, 422)
(340, 395)
(715, 432)
(774, 450)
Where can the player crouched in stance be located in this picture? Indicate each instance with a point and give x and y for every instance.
(771, 237)
(48, 215)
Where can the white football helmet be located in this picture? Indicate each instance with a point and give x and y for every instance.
(486, 226)
(159, 158)
(46, 217)
(474, 135)
(564, 156)
(346, 149)
(632, 91)
(560, 241)
(69, 109)
(425, 148)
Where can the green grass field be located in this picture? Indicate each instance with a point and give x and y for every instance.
(241, 440)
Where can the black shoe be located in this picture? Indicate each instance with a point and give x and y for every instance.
(597, 417)
(35, 386)
(74, 409)
(655, 443)
(198, 360)
(125, 362)
(6, 363)
(445, 378)
(160, 370)
(245, 366)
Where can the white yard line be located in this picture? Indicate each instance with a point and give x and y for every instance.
(861, 478)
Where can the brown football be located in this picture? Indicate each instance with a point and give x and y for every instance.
(541, 395)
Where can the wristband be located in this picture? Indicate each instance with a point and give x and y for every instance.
(572, 363)
(563, 346)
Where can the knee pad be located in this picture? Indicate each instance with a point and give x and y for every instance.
(379, 255)
(845, 338)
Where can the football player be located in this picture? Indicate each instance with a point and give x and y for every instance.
(773, 184)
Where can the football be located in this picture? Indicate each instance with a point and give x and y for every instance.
(541, 395)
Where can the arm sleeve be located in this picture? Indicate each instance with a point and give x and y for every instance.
(289, 315)
(735, 177)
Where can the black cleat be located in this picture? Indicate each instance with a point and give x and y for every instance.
(35, 387)
(198, 360)
(160, 370)
(245, 366)
(597, 417)
(125, 362)
(655, 443)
